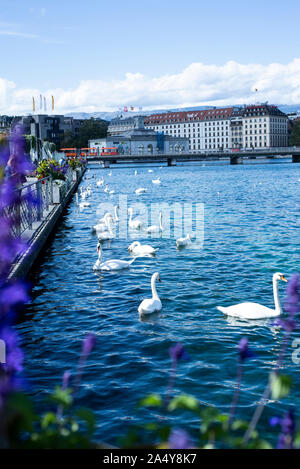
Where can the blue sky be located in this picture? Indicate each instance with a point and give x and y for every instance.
(58, 45)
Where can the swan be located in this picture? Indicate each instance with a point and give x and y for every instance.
(107, 234)
(152, 305)
(156, 181)
(134, 224)
(135, 172)
(103, 224)
(82, 204)
(106, 188)
(183, 242)
(112, 264)
(156, 228)
(138, 249)
(111, 192)
(110, 173)
(100, 182)
(140, 190)
(150, 170)
(255, 310)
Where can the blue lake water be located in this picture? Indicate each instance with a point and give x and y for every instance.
(251, 228)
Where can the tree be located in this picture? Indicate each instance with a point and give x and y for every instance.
(295, 135)
(91, 129)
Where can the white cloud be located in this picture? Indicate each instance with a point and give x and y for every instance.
(198, 84)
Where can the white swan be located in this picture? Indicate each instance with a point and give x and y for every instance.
(116, 218)
(106, 188)
(140, 190)
(150, 170)
(111, 192)
(135, 172)
(183, 242)
(102, 225)
(156, 181)
(100, 182)
(255, 310)
(138, 249)
(107, 234)
(112, 264)
(134, 224)
(156, 228)
(82, 204)
(152, 305)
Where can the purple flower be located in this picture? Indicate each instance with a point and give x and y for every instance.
(292, 303)
(66, 379)
(179, 439)
(289, 325)
(288, 426)
(244, 351)
(88, 344)
(178, 352)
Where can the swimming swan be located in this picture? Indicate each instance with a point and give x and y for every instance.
(140, 190)
(183, 242)
(156, 181)
(255, 310)
(156, 228)
(138, 249)
(152, 305)
(134, 224)
(112, 264)
(102, 225)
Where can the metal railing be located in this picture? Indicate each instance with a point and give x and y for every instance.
(34, 200)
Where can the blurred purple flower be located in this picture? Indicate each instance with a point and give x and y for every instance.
(178, 352)
(288, 427)
(244, 350)
(66, 379)
(179, 439)
(292, 303)
(88, 344)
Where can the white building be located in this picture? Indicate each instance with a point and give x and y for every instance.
(257, 126)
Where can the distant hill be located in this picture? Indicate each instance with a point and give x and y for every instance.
(286, 108)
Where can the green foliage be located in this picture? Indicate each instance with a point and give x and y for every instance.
(295, 135)
(75, 162)
(280, 385)
(90, 129)
(50, 168)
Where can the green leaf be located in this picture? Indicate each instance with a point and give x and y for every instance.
(280, 385)
(88, 417)
(185, 401)
(62, 397)
(48, 419)
(153, 400)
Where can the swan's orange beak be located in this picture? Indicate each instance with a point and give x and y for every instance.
(283, 278)
(159, 279)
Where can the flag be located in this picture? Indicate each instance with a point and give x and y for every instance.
(41, 102)
(33, 104)
(52, 103)
(45, 104)
(125, 109)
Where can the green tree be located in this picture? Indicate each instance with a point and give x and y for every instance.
(295, 135)
(91, 129)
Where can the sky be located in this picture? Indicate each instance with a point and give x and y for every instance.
(97, 55)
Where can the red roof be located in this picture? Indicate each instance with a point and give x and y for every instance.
(188, 116)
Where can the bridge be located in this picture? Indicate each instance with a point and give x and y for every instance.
(235, 157)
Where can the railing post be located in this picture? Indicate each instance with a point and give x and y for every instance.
(47, 194)
(40, 200)
(51, 190)
(29, 209)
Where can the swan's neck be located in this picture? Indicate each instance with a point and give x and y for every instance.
(116, 214)
(99, 254)
(160, 221)
(276, 297)
(130, 216)
(154, 291)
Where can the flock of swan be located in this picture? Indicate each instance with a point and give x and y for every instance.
(104, 231)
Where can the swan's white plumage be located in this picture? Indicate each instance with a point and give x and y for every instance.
(255, 310)
(138, 249)
(153, 305)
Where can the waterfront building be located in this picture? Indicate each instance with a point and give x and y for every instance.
(48, 127)
(120, 125)
(139, 140)
(221, 129)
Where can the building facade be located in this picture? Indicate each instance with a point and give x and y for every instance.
(48, 127)
(221, 129)
(139, 141)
